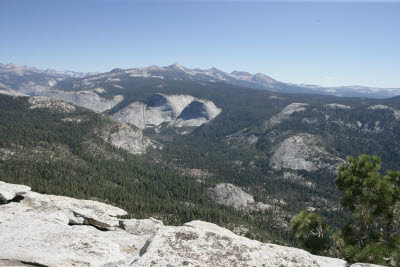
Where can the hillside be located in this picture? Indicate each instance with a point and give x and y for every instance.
(58, 148)
(32, 81)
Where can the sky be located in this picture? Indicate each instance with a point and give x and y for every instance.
(329, 43)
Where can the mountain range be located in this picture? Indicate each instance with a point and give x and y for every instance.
(35, 80)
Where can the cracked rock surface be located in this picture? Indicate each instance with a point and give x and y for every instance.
(46, 230)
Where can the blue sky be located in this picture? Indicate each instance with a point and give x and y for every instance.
(328, 43)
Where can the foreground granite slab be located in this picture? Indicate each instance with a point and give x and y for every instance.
(45, 230)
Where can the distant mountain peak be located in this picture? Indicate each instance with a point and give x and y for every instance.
(117, 70)
(240, 73)
(11, 65)
(45, 79)
(175, 65)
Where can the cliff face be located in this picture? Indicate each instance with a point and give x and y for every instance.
(47, 230)
(177, 110)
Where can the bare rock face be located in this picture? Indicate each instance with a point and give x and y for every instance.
(197, 113)
(302, 152)
(40, 234)
(31, 81)
(337, 106)
(285, 113)
(142, 227)
(9, 192)
(78, 211)
(204, 244)
(178, 110)
(60, 231)
(230, 195)
(126, 137)
(46, 230)
(49, 103)
(86, 99)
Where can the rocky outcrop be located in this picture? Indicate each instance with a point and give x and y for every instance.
(337, 106)
(46, 230)
(8, 192)
(126, 137)
(204, 244)
(285, 113)
(302, 152)
(230, 195)
(177, 110)
(86, 99)
(396, 113)
(80, 212)
(49, 103)
(41, 235)
(197, 113)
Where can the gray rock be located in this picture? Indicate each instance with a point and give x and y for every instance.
(177, 110)
(31, 81)
(285, 113)
(10, 191)
(337, 106)
(51, 231)
(40, 234)
(204, 244)
(86, 99)
(79, 211)
(230, 195)
(302, 152)
(49, 103)
(126, 137)
(141, 227)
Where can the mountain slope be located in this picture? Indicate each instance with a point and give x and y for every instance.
(58, 148)
(31, 81)
(239, 78)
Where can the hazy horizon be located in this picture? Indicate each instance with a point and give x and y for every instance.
(328, 44)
